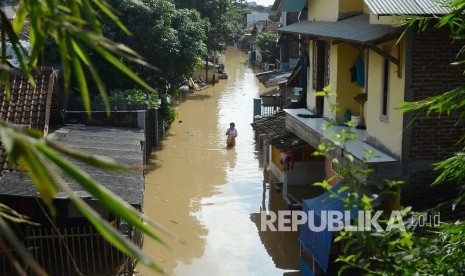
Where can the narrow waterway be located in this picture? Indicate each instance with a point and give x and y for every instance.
(210, 196)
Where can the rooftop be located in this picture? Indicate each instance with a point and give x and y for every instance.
(121, 144)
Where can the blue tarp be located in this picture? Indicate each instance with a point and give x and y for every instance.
(319, 243)
(304, 269)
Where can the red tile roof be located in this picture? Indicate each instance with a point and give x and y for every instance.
(28, 106)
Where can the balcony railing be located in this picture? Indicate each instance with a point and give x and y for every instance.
(271, 105)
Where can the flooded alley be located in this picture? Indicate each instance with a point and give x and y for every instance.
(209, 196)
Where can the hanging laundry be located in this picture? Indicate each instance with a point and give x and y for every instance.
(357, 72)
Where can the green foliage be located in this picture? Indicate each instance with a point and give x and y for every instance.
(75, 29)
(266, 42)
(224, 18)
(428, 250)
(274, 16)
(137, 97)
(171, 39)
(167, 113)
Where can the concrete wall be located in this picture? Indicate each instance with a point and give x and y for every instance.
(377, 125)
(254, 17)
(201, 72)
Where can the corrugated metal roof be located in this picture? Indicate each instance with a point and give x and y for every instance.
(408, 7)
(356, 29)
(274, 78)
(121, 144)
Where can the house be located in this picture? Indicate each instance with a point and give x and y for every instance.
(67, 242)
(254, 17)
(291, 12)
(372, 66)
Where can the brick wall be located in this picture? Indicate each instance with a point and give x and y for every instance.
(433, 138)
(292, 17)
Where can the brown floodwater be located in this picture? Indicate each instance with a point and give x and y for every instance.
(209, 196)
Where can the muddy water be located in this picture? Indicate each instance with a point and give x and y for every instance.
(210, 196)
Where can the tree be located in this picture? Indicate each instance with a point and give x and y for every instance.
(75, 27)
(266, 42)
(172, 39)
(224, 16)
(275, 16)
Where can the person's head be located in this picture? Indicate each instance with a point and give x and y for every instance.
(232, 125)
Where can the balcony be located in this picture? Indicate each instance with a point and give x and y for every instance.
(311, 130)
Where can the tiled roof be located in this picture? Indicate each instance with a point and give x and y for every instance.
(27, 105)
(273, 130)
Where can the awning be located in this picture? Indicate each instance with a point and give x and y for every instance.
(356, 29)
(408, 7)
(289, 5)
(274, 78)
(319, 243)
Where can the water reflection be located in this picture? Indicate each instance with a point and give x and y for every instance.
(208, 195)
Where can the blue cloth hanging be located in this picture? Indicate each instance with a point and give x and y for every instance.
(357, 72)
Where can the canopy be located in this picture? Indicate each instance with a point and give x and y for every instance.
(356, 29)
(289, 5)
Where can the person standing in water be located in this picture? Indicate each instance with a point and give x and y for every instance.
(232, 134)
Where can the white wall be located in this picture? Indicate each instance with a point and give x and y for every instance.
(254, 17)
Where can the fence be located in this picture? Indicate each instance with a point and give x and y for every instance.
(78, 250)
(152, 132)
(271, 105)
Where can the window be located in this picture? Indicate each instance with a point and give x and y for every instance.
(385, 90)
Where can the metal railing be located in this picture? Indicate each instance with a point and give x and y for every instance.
(77, 250)
(271, 105)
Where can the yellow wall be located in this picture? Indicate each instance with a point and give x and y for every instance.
(350, 5)
(328, 10)
(389, 132)
(276, 158)
(384, 20)
(346, 89)
(323, 10)
(366, 10)
(333, 75)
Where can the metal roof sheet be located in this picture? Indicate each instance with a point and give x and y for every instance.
(275, 77)
(356, 29)
(408, 7)
(121, 144)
